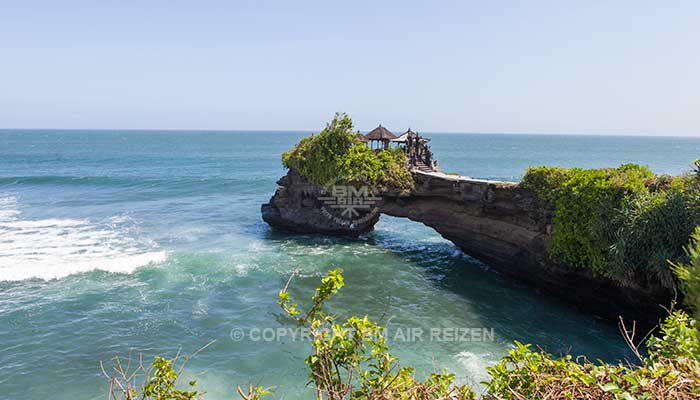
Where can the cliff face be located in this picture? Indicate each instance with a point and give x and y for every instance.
(298, 206)
(493, 221)
(496, 222)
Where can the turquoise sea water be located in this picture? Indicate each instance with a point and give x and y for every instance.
(118, 242)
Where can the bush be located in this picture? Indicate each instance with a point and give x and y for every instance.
(651, 228)
(689, 275)
(585, 200)
(394, 173)
(545, 182)
(337, 156)
(671, 370)
(318, 157)
(160, 382)
(623, 223)
(359, 166)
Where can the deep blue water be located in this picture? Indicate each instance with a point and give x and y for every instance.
(114, 242)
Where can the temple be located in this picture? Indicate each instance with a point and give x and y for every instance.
(418, 153)
(379, 138)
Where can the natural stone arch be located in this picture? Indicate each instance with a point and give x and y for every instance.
(499, 223)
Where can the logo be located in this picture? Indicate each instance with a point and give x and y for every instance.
(349, 205)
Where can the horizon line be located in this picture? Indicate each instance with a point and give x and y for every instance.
(636, 134)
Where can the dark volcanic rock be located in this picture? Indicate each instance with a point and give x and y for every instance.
(296, 207)
(496, 222)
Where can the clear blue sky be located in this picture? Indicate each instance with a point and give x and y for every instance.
(588, 66)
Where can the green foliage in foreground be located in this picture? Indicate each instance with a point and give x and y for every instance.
(351, 360)
(161, 385)
(623, 222)
(337, 156)
(671, 370)
(160, 381)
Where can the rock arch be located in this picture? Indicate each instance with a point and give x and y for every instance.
(499, 223)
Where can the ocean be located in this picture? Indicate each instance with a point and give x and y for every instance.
(143, 243)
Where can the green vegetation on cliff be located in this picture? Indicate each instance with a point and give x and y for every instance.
(623, 222)
(337, 156)
(689, 275)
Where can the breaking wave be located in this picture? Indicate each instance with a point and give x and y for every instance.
(55, 248)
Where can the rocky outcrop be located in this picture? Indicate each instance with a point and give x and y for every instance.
(298, 206)
(499, 223)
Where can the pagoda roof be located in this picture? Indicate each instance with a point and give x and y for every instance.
(380, 133)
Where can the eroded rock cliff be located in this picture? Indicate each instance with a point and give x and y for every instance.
(298, 206)
(499, 223)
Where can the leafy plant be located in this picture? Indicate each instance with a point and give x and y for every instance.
(671, 371)
(545, 182)
(651, 228)
(351, 359)
(160, 381)
(623, 223)
(318, 157)
(394, 173)
(161, 385)
(689, 274)
(584, 201)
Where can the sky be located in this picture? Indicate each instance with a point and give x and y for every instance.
(597, 67)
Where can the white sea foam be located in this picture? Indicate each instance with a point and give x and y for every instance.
(55, 248)
(8, 208)
(475, 366)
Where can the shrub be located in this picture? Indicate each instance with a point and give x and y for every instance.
(394, 173)
(671, 370)
(160, 382)
(337, 156)
(622, 223)
(689, 275)
(318, 157)
(651, 228)
(359, 166)
(545, 182)
(351, 359)
(578, 203)
(585, 200)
